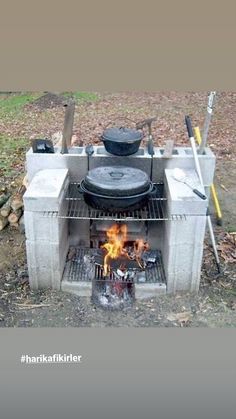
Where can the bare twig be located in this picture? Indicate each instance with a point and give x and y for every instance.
(31, 306)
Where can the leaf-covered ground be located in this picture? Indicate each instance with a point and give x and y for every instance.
(29, 115)
(25, 117)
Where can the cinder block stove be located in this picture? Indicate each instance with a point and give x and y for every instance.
(64, 235)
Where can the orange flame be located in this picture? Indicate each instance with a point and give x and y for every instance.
(139, 246)
(117, 235)
(115, 247)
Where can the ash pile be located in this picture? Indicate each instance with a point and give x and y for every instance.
(116, 289)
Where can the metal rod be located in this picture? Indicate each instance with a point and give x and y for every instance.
(68, 126)
(202, 146)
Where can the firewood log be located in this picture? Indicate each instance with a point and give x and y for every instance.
(6, 208)
(3, 222)
(25, 182)
(17, 199)
(22, 224)
(3, 189)
(3, 198)
(15, 225)
(14, 216)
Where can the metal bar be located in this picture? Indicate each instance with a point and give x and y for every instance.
(211, 99)
(78, 209)
(74, 270)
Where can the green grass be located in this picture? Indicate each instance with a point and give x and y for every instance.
(13, 103)
(231, 228)
(12, 155)
(83, 96)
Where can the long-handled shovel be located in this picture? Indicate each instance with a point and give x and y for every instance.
(197, 166)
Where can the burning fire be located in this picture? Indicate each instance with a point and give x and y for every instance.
(115, 247)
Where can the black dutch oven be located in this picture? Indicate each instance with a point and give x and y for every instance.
(121, 141)
(116, 189)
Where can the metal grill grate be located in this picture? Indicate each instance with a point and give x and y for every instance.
(76, 208)
(79, 268)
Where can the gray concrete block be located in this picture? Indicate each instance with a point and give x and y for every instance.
(79, 233)
(155, 231)
(183, 257)
(99, 228)
(185, 231)
(207, 164)
(183, 281)
(182, 265)
(76, 162)
(46, 190)
(82, 289)
(143, 291)
(43, 278)
(180, 197)
(47, 257)
(183, 158)
(49, 229)
(140, 160)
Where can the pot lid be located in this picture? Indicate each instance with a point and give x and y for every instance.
(117, 181)
(122, 134)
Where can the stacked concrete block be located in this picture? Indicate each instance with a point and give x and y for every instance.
(143, 291)
(80, 288)
(79, 233)
(46, 234)
(77, 163)
(183, 237)
(48, 237)
(140, 160)
(182, 157)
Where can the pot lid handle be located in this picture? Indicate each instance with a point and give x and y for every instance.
(116, 175)
(119, 119)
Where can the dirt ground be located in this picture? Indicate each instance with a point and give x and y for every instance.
(213, 306)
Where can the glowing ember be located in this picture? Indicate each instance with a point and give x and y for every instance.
(139, 246)
(115, 247)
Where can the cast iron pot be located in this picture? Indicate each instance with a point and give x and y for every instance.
(122, 141)
(116, 189)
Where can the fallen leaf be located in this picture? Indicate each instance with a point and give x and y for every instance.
(171, 317)
(227, 248)
(182, 317)
(223, 187)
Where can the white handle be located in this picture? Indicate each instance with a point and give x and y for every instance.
(196, 160)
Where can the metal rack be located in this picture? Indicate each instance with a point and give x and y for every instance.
(75, 208)
(76, 269)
